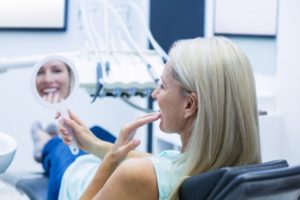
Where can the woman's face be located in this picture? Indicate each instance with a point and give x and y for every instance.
(171, 102)
(53, 81)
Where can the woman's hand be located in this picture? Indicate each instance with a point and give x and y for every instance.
(125, 142)
(85, 138)
(119, 151)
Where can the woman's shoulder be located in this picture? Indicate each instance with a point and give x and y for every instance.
(134, 179)
(139, 169)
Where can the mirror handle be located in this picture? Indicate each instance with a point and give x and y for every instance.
(74, 145)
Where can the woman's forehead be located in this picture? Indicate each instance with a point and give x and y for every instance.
(55, 63)
(168, 70)
(168, 76)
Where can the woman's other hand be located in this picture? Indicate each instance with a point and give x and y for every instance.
(125, 142)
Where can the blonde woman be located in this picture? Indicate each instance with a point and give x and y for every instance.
(207, 96)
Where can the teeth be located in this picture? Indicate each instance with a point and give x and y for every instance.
(50, 90)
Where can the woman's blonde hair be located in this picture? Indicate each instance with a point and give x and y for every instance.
(225, 130)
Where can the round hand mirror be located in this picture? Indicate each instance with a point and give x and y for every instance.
(54, 82)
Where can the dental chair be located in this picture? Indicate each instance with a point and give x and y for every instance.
(204, 186)
(33, 185)
(273, 184)
(208, 185)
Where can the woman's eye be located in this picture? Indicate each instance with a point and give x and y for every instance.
(161, 86)
(56, 71)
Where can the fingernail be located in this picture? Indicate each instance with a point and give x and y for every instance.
(136, 142)
(157, 114)
(65, 120)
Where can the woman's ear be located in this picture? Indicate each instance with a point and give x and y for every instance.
(191, 106)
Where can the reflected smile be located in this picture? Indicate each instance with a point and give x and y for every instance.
(50, 90)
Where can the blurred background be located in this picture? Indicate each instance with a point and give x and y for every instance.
(268, 31)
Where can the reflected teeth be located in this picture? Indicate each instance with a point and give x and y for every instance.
(50, 90)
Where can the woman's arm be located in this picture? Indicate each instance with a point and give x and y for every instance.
(103, 173)
(86, 140)
(119, 151)
(134, 179)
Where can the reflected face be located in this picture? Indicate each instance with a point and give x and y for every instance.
(53, 81)
(171, 102)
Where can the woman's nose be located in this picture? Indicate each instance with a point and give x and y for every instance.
(48, 77)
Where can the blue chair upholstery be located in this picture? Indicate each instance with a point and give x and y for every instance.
(273, 184)
(208, 185)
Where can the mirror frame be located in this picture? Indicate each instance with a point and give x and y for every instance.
(36, 68)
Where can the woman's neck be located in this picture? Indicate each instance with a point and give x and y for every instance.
(186, 132)
(185, 137)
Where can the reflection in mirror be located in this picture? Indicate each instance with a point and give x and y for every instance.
(54, 81)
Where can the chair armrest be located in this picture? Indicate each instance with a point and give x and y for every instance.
(34, 185)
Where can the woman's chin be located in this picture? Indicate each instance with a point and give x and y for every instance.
(161, 127)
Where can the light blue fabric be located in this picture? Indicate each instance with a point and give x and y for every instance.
(79, 174)
(167, 173)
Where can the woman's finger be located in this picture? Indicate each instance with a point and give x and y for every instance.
(149, 114)
(67, 140)
(65, 132)
(46, 98)
(57, 115)
(55, 98)
(131, 145)
(75, 118)
(141, 121)
(50, 97)
(71, 123)
(128, 131)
